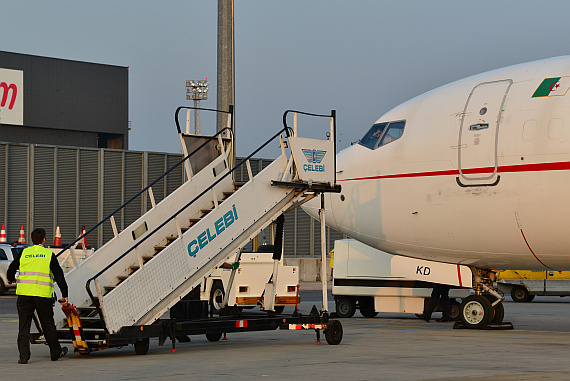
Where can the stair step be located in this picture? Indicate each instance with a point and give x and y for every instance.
(147, 257)
(133, 268)
(108, 289)
(184, 230)
(122, 277)
(159, 248)
(171, 238)
(205, 211)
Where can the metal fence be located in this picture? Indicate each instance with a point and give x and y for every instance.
(46, 186)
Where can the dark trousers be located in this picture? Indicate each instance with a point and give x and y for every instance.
(44, 307)
(439, 293)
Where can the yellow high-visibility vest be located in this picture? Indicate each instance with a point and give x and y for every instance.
(36, 278)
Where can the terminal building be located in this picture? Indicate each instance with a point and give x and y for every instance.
(61, 102)
(64, 157)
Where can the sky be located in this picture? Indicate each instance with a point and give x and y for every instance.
(359, 57)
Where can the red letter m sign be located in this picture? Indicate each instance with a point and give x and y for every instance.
(5, 89)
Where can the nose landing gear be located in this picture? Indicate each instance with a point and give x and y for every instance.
(485, 309)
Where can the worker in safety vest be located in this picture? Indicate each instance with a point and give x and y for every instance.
(38, 269)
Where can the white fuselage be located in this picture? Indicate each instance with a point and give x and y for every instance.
(480, 175)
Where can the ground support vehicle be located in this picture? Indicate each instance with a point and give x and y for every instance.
(7, 254)
(254, 271)
(523, 285)
(169, 251)
(363, 279)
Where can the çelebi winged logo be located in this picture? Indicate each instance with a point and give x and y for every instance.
(314, 157)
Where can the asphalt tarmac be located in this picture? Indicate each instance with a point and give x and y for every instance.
(388, 347)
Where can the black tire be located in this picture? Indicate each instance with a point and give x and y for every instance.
(216, 296)
(279, 309)
(498, 310)
(520, 294)
(345, 307)
(455, 310)
(141, 347)
(333, 332)
(368, 313)
(530, 298)
(2, 287)
(476, 312)
(214, 336)
(366, 307)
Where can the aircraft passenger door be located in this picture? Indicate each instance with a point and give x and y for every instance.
(479, 132)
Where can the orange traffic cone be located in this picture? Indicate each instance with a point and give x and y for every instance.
(57, 240)
(84, 243)
(3, 235)
(22, 236)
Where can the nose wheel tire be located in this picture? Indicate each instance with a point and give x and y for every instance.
(498, 311)
(476, 311)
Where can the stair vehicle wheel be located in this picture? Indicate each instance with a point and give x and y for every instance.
(2, 287)
(345, 308)
(141, 347)
(333, 332)
(498, 311)
(214, 336)
(476, 312)
(279, 309)
(217, 297)
(520, 294)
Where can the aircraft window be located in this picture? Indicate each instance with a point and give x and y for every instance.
(395, 130)
(370, 140)
(383, 133)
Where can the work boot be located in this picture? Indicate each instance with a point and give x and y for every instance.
(22, 361)
(63, 353)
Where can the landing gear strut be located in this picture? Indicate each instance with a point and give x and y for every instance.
(481, 310)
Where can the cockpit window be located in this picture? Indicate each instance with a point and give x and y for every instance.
(372, 137)
(383, 133)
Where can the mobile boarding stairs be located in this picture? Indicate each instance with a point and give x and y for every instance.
(125, 287)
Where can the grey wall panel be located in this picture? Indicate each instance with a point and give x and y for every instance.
(17, 203)
(133, 180)
(304, 235)
(173, 179)
(156, 167)
(44, 191)
(289, 234)
(88, 193)
(66, 196)
(101, 180)
(112, 190)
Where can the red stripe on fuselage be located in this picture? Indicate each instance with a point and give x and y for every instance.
(540, 167)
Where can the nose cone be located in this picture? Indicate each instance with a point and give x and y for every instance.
(312, 207)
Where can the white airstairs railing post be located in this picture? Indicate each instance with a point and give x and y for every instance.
(323, 254)
(151, 196)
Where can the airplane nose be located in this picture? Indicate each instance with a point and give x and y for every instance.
(312, 207)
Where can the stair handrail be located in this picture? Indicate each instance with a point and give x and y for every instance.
(144, 190)
(88, 283)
